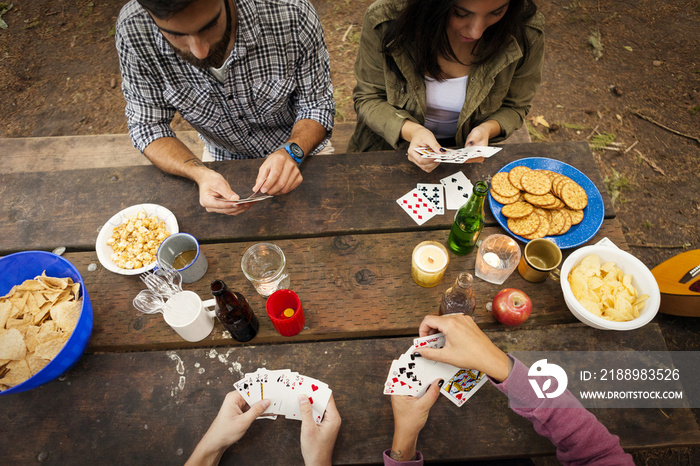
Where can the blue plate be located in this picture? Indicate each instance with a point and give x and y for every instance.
(592, 214)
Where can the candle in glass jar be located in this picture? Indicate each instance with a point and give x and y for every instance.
(493, 260)
(428, 263)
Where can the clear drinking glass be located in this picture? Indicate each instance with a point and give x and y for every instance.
(264, 265)
(498, 256)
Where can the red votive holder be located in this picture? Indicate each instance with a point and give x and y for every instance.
(285, 311)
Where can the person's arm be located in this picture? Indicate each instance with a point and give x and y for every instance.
(523, 87)
(373, 104)
(279, 173)
(578, 436)
(317, 440)
(149, 115)
(172, 156)
(227, 428)
(410, 416)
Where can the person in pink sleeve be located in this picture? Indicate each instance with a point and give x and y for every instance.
(578, 436)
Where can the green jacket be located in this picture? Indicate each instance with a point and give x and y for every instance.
(500, 89)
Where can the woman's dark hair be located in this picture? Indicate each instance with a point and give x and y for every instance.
(422, 28)
(165, 9)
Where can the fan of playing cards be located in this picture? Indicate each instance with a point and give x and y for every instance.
(282, 388)
(412, 374)
(458, 155)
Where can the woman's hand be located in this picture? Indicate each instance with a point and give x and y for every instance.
(419, 137)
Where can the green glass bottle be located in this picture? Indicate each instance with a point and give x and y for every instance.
(469, 221)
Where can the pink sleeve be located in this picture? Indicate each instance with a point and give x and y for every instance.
(390, 462)
(578, 435)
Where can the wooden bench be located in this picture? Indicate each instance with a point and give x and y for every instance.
(42, 154)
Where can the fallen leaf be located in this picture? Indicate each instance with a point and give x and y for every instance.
(628, 48)
(539, 120)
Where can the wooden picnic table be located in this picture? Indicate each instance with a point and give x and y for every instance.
(143, 395)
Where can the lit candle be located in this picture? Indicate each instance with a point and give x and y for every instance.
(492, 259)
(428, 263)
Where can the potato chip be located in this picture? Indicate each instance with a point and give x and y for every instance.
(605, 290)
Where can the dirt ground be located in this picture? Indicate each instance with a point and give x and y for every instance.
(611, 66)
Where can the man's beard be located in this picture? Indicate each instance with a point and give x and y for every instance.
(217, 55)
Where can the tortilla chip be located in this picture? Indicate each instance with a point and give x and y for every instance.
(54, 282)
(30, 338)
(66, 314)
(12, 344)
(36, 363)
(50, 348)
(30, 285)
(5, 309)
(18, 372)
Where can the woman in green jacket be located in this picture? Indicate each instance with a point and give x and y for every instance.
(434, 73)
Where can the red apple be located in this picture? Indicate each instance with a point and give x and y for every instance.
(511, 306)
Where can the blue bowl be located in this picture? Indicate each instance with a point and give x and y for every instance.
(16, 268)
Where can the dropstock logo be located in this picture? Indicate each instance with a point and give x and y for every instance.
(542, 369)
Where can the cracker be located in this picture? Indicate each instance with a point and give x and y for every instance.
(574, 196)
(501, 185)
(567, 222)
(540, 201)
(518, 209)
(536, 182)
(504, 200)
(542, 229)
(556, 224)
(516, 173)
(525, 225)
(576, 216)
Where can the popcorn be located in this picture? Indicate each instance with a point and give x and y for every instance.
(135, 242)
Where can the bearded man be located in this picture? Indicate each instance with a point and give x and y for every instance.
(251, 76)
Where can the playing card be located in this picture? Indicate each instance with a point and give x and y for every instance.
(463, 385)
(427, 153)
(472, 152)
(403, 378)
(417, 207)
(255, 197)
(318, 393)
(435, 193)
(436, 340)
(458, 188)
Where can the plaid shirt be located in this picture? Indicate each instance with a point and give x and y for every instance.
(279, 73)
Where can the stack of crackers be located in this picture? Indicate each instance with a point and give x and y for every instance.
(538, 203)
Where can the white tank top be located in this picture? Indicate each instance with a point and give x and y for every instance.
(444, 101)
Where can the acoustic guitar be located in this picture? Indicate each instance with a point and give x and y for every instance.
(679, 284)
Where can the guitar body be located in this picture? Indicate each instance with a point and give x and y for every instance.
(679, 284)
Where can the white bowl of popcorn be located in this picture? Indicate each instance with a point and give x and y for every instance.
(127, 244)
(609, 289)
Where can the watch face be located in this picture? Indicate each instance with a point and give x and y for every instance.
(296, 150)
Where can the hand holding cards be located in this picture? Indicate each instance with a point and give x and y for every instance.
(282, 388)
(412, 374)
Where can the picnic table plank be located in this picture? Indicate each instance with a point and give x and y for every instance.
(152, 407)
(342, 194)
(351, 286)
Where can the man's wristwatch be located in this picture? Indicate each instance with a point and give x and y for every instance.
(294, 151)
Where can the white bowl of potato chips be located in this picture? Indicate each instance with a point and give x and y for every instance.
(127, 244)
(609, 289)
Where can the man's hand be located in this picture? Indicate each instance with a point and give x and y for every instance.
(465, 345)
(279, 174)
(420, 136)
(318, 440)
(213, 185)
(410, 416)
(229, 426)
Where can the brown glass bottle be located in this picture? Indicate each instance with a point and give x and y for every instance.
(459, 297)
(233, 311)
